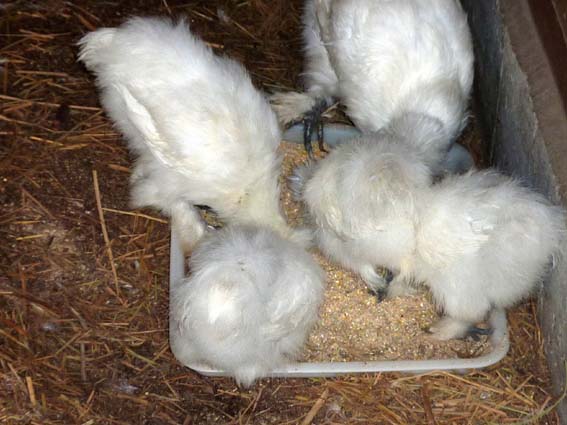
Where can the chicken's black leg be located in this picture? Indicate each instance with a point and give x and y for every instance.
(311, 121)
(321, 136)
(475, 332)
(308, 123)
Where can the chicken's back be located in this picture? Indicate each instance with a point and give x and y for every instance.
(391, 56)
(204, 117)
(249, 303)
(486, 235)
(365, 192)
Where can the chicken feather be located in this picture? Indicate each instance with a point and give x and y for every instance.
(248, 304)
(201, 132)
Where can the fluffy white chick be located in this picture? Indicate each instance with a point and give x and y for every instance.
(362, 199)
(249, 303)
(479, 241)
(483, 242)
(382, 59)
(201, 132)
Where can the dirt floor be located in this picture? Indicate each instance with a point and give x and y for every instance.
(83, 281)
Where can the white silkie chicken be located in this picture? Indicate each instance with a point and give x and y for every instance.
(248, 305)
(383, 59)
(201, 132)
(479, 241)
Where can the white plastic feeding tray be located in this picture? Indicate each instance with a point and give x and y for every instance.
(499, 342)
